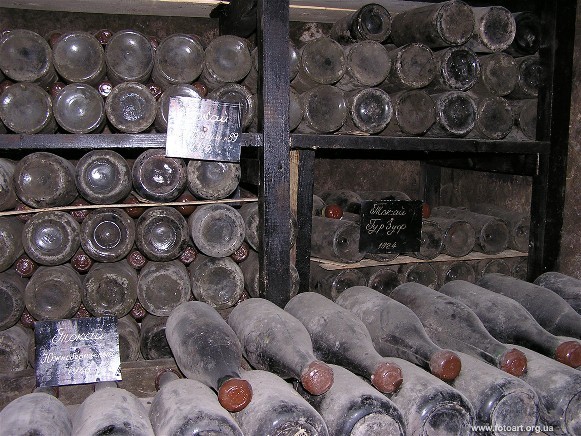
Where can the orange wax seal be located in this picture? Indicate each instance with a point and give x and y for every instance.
(514, 362)
(317, 378)
(445, 365)
(569, 353)
(387, 377)
(235, 394)
(241, 253)
(333, 211)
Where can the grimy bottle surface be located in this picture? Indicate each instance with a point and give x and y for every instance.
(353, 407)
(206, 349)
(339, 337)
(370, 22)
(332, 283)
(509, 322)
(429, 406)
(152, 338)
(10, 241)
(567, 287)
(451, 323)
(276, 341)
(336, 240)
(217, 281)
(163, 286)
(11, 298)
(397, 332)
(277, 409)
(549, 309)
(184, 406)
(518, 224)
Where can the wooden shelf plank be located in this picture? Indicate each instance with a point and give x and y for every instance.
(366, 263)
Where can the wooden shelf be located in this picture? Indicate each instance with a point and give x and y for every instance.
(400, 260)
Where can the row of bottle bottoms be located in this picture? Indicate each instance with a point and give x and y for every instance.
(503, 354)
(454, 231)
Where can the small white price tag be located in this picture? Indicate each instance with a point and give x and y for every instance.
(203, 129)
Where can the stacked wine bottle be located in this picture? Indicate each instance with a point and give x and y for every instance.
(491, 357)
(79, 82)
(445, 69)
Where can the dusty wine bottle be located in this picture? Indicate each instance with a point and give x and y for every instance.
(207, 350)
(216, 229)
(339, 337)
(382, 278)
(559, 391)
(397, 332)
(318, 205)
(237, 94)
(527, 38)
(295, 110)
(251, 80)
(11, 246)
(129, 57)
(218, 282)
(250, 270)
(153, 343)
(8, 197)
(456, 114)
(518, 267)
(549, 309)
(51, 238)
(422, 273)
(79, 108)
(332, 283)
(336, 240)
(531, 76)
(500, 400)
(321, 62)
(457, 69)
(15, 345)
(498, 75)
(110, 289)
(439, 25)
(103, 177)
(274, 340)
(566, 286)
(348, 201)
(518, 224)
(370, 110)
(431, 241)
(414, 112)
(491, 232)
(458, 237)
(130, 107)
(494, 29)
(162, 113)
(525, 112)
(43, 179)
(79, 57)
(161, 233)
(494, 118)
(37, 413)
(163, 286)
(227, 59)
(107, 235)
(353, 407)
(448, 271)
(178, 58)
(487, 266)
(212, 180)
(27, 108)
(430, 406)
(371, 22)
(157, 177)
(183, 406)
(324, 109)
(276, 408)
(11, 298)
(111, 410)
(452, 324)
(53, 292)
(128, 339)
(412, 67)
(509, 322)
(25, 56)
(367, 65)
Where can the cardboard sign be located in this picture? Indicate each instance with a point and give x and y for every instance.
(203, 129)
(77, 351)
(390, 226)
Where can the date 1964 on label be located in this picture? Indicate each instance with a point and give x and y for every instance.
(390, 226)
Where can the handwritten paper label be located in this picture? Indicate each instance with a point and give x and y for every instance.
(203, 129)
(390, 226)
(76, 351)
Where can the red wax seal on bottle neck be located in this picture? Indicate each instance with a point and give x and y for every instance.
(25, 266)
(445, 365)
(387, 377)
(56, 88)
(186, 209)
(138, 312)
(82, 312)
(188, 255)
(569, 353)
(133, 212)
(136, 259)
(201, 88)
(241, 253)
(81, 262)
(317, 378)
(103, 36)
(21, 207)
(426, 210)
(105, 88)
(514, 362)
(27, 320)
(235, 394)
(333, 211)
(79, 214)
